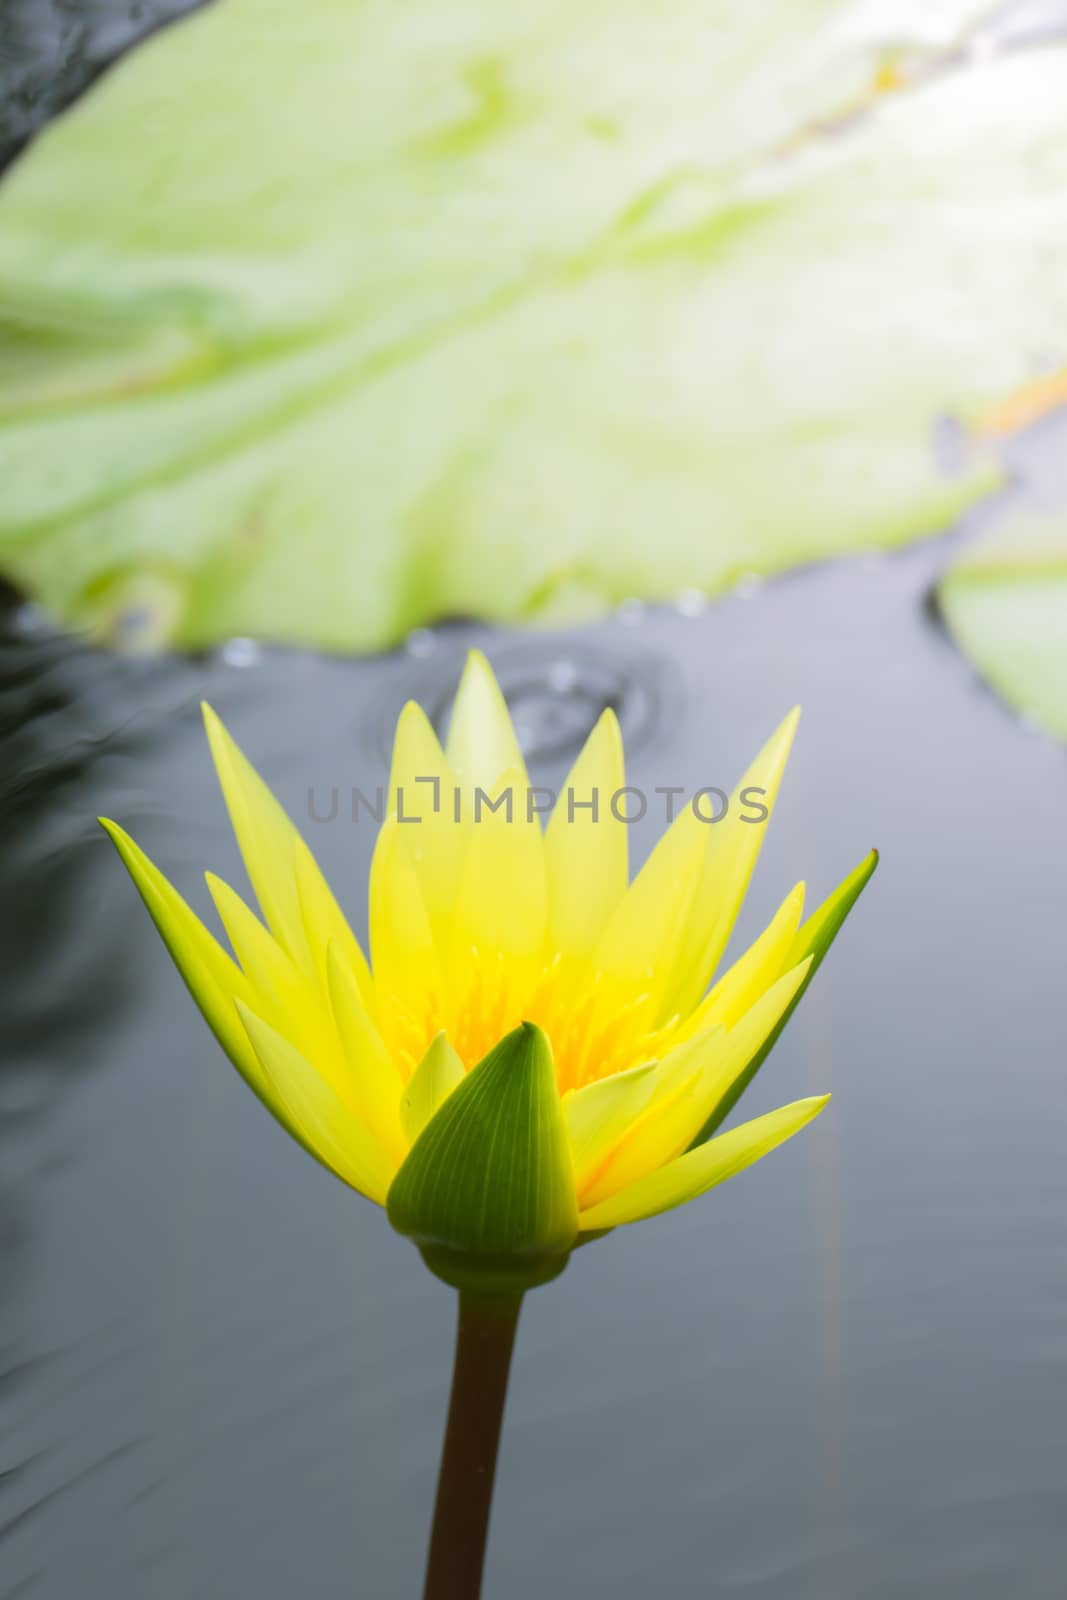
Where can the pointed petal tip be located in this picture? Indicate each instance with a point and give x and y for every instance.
(702, 1167)
(537, 1036)
(780, 743)
(217, 886)
(219, 736)
(478, 667)
(258, 1030)
(608, 725)
(129, 850)
(864, 871)
(476, 664)
(411, 711)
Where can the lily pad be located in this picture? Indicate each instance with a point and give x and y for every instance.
(321, 322)
(1005, 601)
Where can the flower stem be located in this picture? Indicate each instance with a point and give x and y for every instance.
(485, 1337)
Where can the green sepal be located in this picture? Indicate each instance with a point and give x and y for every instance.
(813, 939)
(487, 1190)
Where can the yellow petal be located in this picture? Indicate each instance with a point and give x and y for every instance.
(422, 791)
(282, 995)
(754, 972)
(376, 1081)
(813, 939)
(663, 1129)
(502, 901)
(586, 852)
(407, 974)
(213, 980)
(325, 924)
(330, 1128)
(481, 744)
(280, 867)
(437, 1074)
(335, 1034)
(701, 1169)
(599, 1115)
(637, 951)
(733, 848)
(282, 986)
(420, 775)
(689, 1082)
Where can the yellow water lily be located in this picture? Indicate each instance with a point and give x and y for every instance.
(533, 1054)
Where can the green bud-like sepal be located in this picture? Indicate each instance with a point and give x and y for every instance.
(487, 1189)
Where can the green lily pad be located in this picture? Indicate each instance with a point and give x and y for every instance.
(321, 322)
(1005, 601)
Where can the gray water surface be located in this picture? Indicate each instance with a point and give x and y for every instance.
(838, 1376)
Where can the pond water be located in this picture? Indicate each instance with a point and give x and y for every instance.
(836, 1378)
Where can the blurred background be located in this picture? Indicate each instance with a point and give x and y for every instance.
(836, 1377)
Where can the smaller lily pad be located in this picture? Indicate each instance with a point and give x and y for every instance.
(1005, 602)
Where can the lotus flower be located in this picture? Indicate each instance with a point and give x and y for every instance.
(533, 1054)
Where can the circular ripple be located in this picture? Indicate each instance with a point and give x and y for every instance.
(555, 691)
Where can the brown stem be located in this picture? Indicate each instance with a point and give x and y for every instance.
(485, 1337)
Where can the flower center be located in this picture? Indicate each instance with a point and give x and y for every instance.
(592, 1035)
